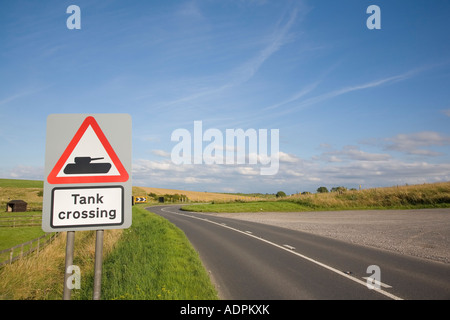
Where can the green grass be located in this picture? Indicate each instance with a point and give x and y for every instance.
(18, 183)
(257, 206)
(9, 237)
(291, 206)
(153, 260)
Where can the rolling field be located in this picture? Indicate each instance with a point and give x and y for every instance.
(197, 196)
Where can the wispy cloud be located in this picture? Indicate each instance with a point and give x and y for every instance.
(304, 91)
(338, 92)
(245, 71)
(21, 94)
(279, 37)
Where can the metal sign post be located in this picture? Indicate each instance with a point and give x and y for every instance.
(98, 264)
(69, 261)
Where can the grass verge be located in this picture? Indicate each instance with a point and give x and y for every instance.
(41, 276)
(153, 261)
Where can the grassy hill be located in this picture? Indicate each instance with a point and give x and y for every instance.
(31, 191)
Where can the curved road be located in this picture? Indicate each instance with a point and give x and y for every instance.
(253, 261)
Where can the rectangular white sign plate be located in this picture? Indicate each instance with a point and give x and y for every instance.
(87, 207)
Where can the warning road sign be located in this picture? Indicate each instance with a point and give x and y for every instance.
(140, 199)
(87, 165)
(79, 161)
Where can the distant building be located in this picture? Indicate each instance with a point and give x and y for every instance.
(16, 206)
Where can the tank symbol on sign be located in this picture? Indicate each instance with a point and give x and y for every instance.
(83, 165)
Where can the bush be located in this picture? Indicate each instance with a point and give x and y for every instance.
(322, 190)
(280, 194)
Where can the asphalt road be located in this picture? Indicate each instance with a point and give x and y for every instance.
(252, 261)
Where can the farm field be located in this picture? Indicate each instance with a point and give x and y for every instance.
(197, 196)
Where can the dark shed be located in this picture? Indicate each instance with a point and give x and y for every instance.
(16, 206)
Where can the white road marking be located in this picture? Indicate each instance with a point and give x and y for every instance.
(378, 283)
(249, 232)
(339, 272)
(289, 247)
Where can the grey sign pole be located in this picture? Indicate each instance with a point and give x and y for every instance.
(98, 264)
(69, 261)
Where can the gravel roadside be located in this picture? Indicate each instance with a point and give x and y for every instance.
(423, 233)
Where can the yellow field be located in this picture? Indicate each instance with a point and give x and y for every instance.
(193, 196)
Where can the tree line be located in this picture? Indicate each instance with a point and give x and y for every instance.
(169, 197)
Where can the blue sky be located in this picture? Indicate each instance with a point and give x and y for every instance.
(353, 106)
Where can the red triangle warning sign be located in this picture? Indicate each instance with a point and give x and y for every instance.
(89, 158)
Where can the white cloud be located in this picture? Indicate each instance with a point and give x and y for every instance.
(284, 157)
(295, 174)
(415, 142)
(23, 172)
(354, 153)
(161, 153)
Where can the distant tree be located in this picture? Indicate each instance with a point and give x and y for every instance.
(338, 189)
(280, 194)
(153, 195)
(322, 190)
